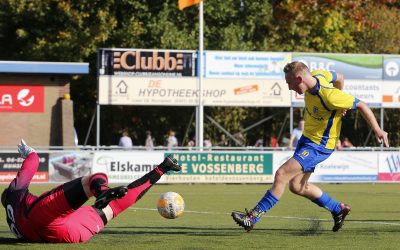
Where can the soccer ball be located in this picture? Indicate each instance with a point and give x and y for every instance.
(170, 205)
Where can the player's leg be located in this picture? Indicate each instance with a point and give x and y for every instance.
(59, 201)
(139, 187)
(67, 198)
(284, 174)
(53, 210)
(78, 226)
(301, 186)
(78, 191)
(97, 185)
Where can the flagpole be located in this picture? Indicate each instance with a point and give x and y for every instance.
(200, 108)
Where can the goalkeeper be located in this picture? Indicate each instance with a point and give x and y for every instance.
(58, 216)
(324, 105)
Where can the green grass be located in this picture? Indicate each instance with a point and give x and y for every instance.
(294, 223)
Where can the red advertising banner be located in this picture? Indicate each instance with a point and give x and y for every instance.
(21, 98)
(37, 177)
(389, 167)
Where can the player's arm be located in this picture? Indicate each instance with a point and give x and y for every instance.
(380, 135)
(339, 82)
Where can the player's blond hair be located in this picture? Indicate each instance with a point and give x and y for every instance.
(295, 68)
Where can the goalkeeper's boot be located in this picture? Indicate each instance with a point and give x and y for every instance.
(104, 197)
(170, 163)
(24, 149)
(339, 218)
(245, 220)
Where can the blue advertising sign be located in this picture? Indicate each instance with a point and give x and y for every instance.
(391, 65)
(353, 66)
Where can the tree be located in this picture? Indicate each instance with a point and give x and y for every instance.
(71, 30)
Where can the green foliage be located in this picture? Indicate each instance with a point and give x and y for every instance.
(236, 24)
(381, 31)
(323, 26)
(54, 30)
(71, 30)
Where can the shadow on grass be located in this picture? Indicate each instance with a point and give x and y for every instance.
(207, 231)
(9, 241)
(198, 231)
(377, 220)
(314, 228)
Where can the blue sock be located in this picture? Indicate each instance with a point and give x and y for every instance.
(265, 204)
(327, 202)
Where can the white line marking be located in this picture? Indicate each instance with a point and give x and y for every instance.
(282, 217)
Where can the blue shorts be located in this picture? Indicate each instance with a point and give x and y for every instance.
(308, 154)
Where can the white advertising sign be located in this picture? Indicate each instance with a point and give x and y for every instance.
(120, 90)
(367, 91)
(123, 90)
(126, 167)
(244, 92)
(391, 94)
(279, 158)
(297, 99)
(344, 166)
(247, 65)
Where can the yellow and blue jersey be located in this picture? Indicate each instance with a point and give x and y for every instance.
(323, 116)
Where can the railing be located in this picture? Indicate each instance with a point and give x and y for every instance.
(164, 148)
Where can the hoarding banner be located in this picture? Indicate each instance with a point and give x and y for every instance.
(246, 92)
(353, 66)
(119, 90)
(126, 167)
(246, 65)
(280, 158)
(222, 167)
(391, 94)
(391, 65)
(147, 63)
(391, 85)
(367, 91)
(10, 164)
(297, 99)
(66, 166)
(389, 166)
(21, 98)
(344, 166)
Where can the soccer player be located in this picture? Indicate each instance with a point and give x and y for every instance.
(58, 216)
(324, 106)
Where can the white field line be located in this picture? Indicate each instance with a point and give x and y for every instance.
(282, 217)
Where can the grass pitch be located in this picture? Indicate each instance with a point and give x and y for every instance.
(294, 223)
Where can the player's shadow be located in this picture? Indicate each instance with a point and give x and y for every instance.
(198, 231)
(9, 241)
(376, 220)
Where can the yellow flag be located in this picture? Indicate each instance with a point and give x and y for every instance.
(187, 3)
